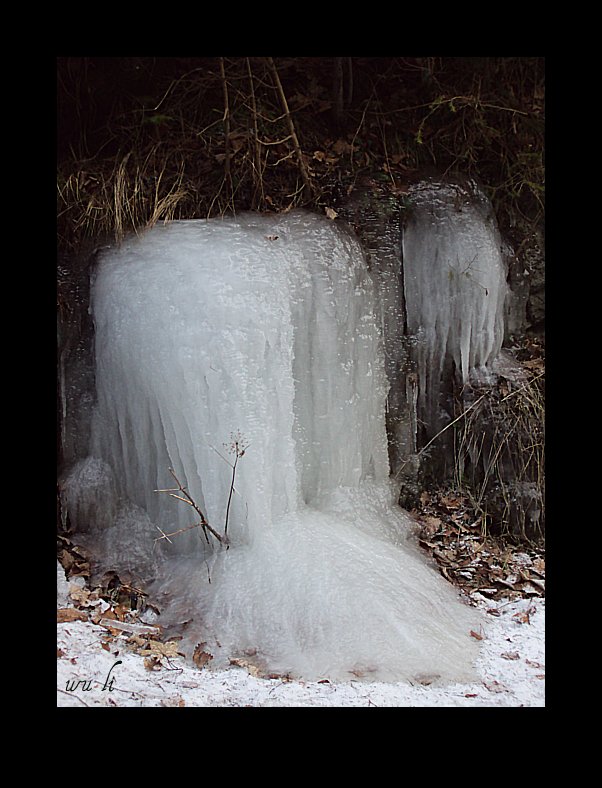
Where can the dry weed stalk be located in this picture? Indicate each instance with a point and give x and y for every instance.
(238, 447)
(187, 498)
(500, 458)
(291, 126)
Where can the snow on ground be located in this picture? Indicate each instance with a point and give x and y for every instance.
(95, 671)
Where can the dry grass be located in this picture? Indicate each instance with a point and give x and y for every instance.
(500, 459)
(128, 196)
(230, 134)
(179, 161)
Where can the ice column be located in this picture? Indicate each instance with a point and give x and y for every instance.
(455, 286)
(261, 327)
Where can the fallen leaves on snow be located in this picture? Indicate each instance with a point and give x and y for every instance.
(471, 560)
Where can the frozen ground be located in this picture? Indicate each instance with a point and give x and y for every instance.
(511, 668)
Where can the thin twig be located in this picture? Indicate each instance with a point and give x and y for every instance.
(58, 689)
(175, 533)
(291, 126)
(163, 534)
(226, 119)
(522, 388)
(447, 426)
(204, 524)
(231, 491)
(257, 177)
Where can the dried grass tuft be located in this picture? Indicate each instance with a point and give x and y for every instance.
(500, 459)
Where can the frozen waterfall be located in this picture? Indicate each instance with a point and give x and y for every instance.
(262, 329)
(455, 288)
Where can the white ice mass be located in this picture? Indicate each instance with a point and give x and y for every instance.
(455, 287)
(262, 328)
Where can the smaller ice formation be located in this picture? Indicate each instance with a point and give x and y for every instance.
(455, 287)
(262, 329)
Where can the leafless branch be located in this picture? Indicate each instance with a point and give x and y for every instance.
(291, 126)
(187, 498)
(226, 120)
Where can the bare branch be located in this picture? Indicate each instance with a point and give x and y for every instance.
(291, 126)
(434, 438)
(187, 498)
(226, 120)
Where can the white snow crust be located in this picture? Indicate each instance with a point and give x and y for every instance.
(510, 671)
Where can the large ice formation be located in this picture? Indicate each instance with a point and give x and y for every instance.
(262, 329)
(455, 288)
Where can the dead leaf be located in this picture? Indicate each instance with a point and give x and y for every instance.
(67, 560)
(476, 635)
(78, 594)
(243, 663)
(341, 146)
(493, 611)
(539, 566)
(59, 653)
(137, 640)
(535, 365)
(511, 655)
(534, 664)
(330, 213)
(157, 649)
(427, 679)
(430, 524)
(97, 616)
(524, 617)
(451, 501)
(201, 657)
(533, 587)
(152, 663)
(65, 614)
(121, 612)
(177, 701)
(495, 686)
